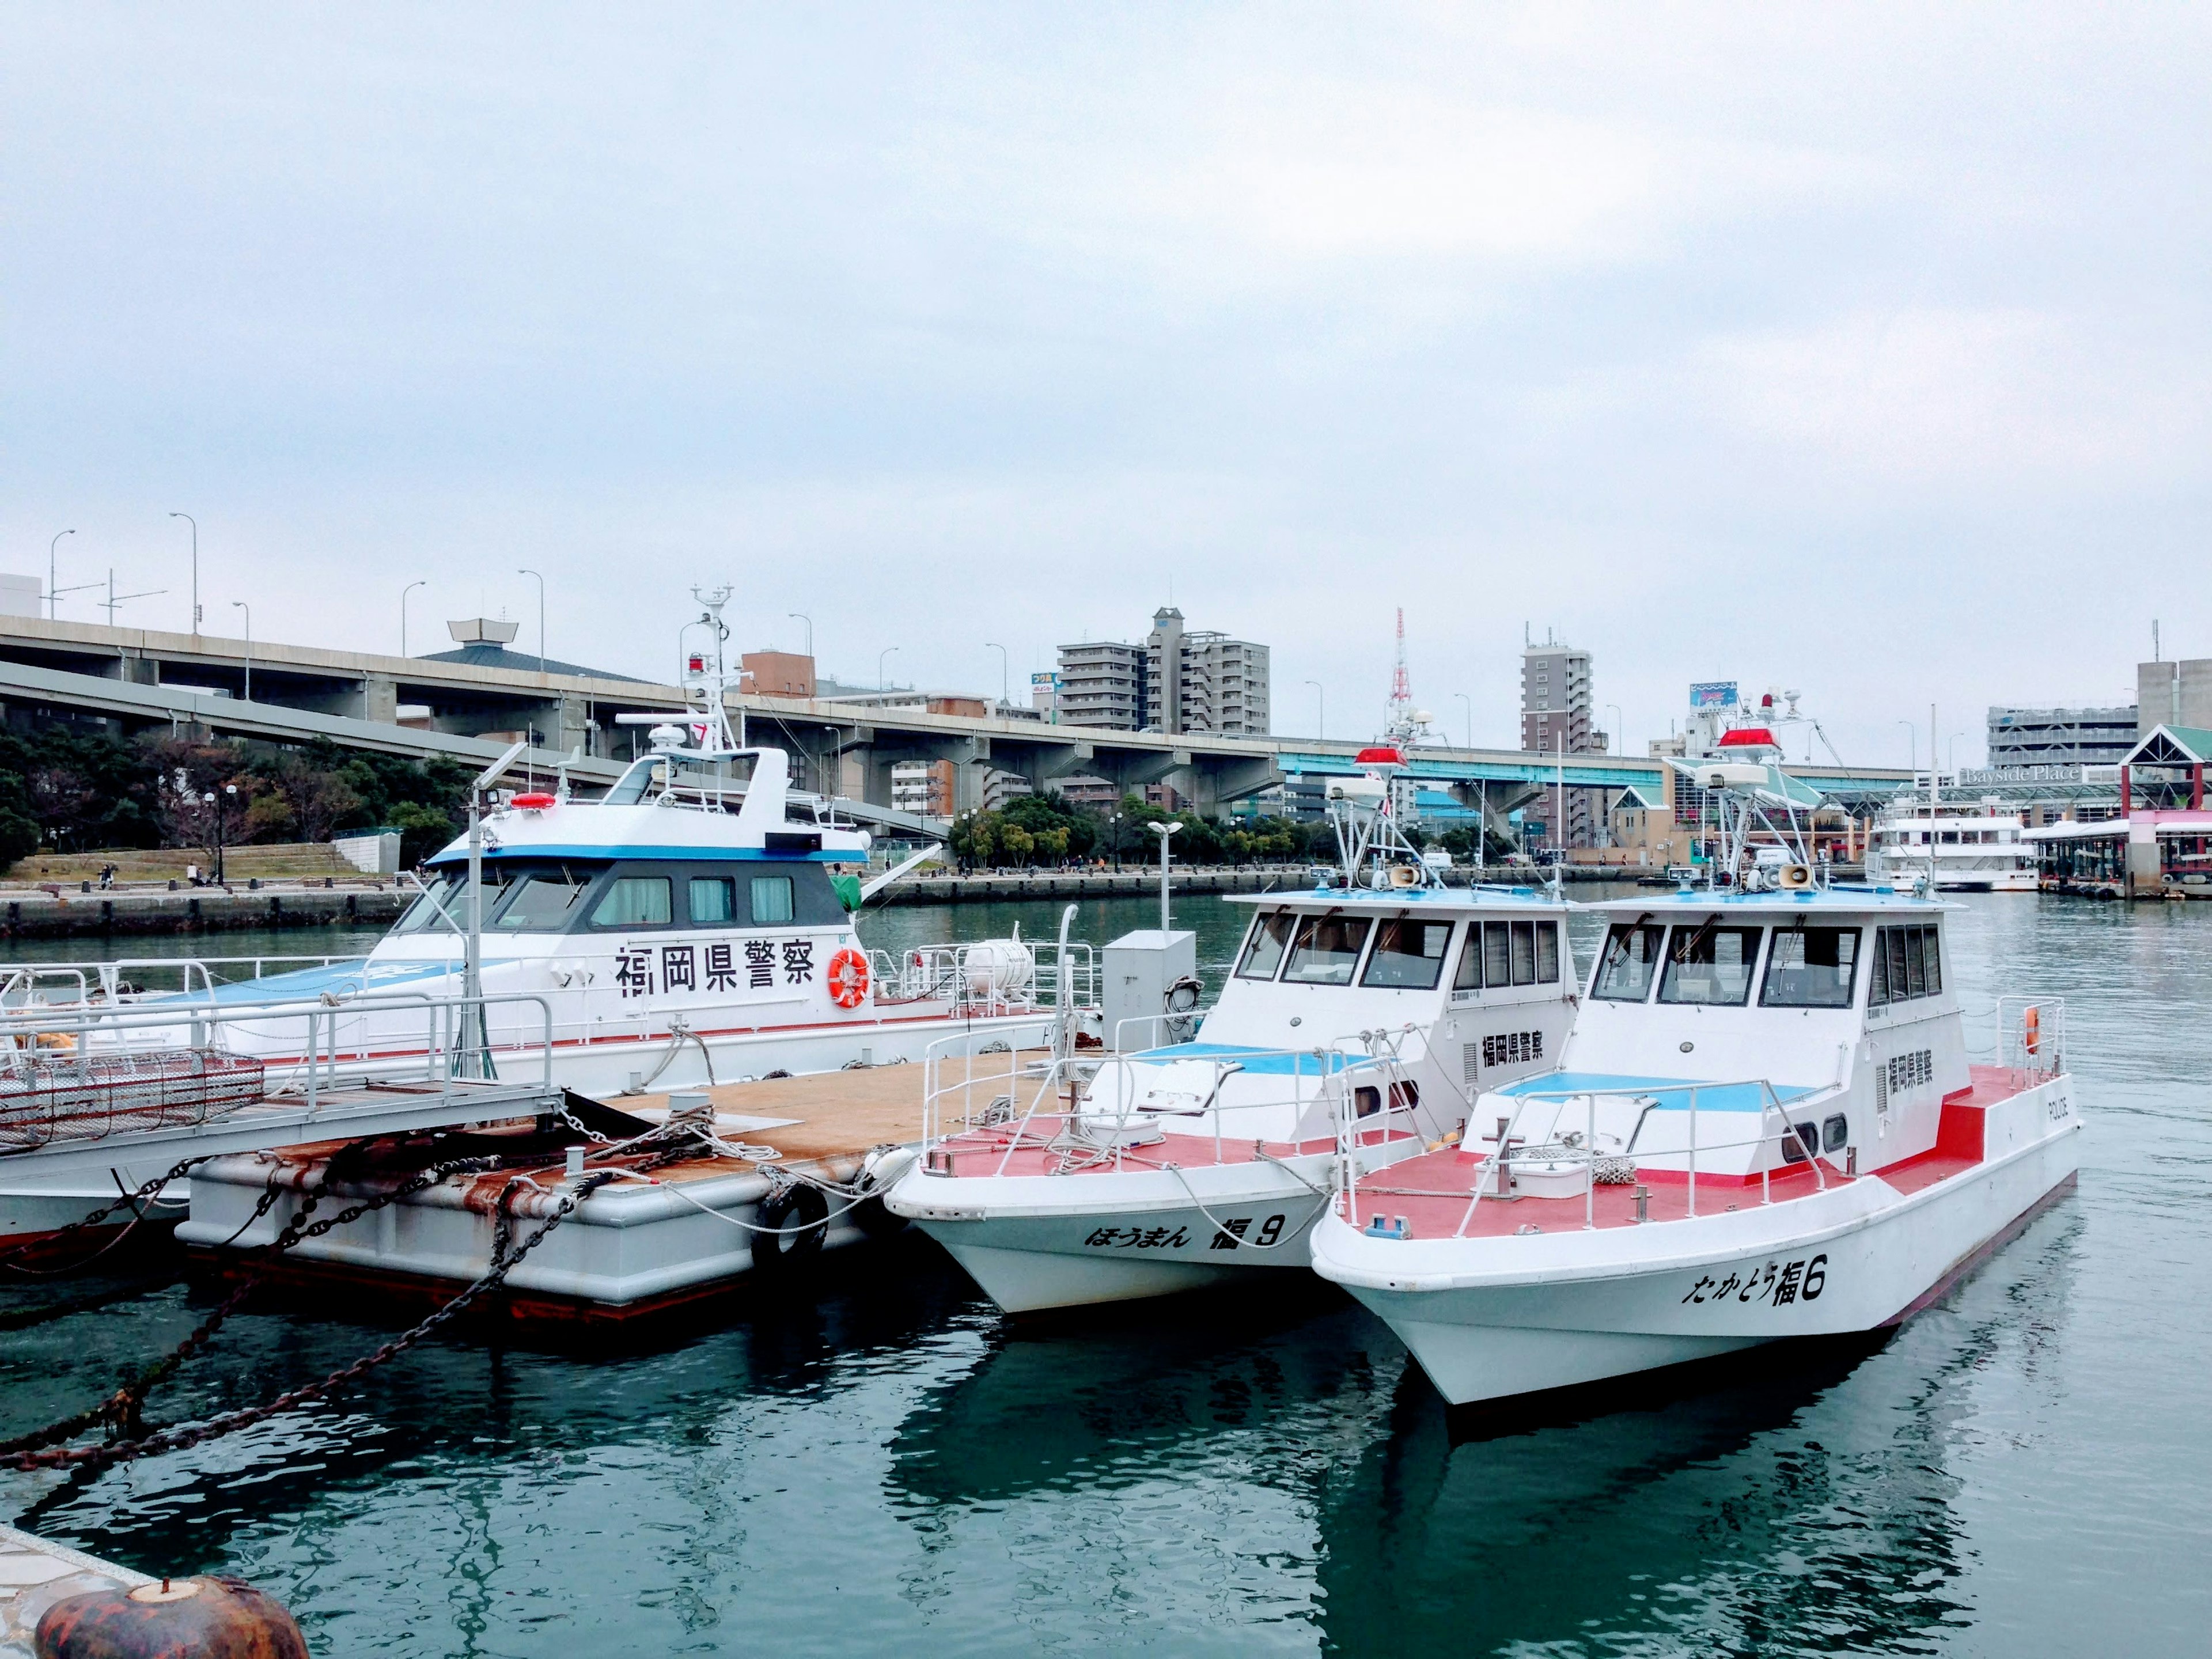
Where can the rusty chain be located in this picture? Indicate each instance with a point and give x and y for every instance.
(122, 1410)
(146, 1190)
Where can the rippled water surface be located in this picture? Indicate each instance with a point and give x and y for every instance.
(2023, 1469)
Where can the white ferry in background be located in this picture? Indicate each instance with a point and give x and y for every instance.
(1765, 1125)
(1973, 848)
(1162, 1169)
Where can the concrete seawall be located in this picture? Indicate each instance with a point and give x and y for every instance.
(79, 915)
(1009, 886)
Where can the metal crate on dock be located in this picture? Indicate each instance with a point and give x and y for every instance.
(48, 1095)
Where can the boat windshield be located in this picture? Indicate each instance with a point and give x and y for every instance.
(1810, 968)
(1710, 965)
(1408, 955)
(543, 901)
(1263, 952)
(441, 889)
(1326, 950)
(1625, 966)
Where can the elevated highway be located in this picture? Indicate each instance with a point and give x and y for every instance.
(133, 679)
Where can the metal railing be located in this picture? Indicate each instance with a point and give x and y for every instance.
(949, 973)
(2032, 1038)
(1496, 1176)
(447, 1047)
(125, 978)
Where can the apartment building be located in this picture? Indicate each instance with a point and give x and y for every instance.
(1179, 680)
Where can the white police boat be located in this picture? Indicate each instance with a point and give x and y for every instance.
(1381, 999)
(1765, 1125)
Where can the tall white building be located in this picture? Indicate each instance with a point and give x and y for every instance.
(1178, 680)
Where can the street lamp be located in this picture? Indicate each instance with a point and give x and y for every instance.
(541, 617)
(881, 684)
(1321, 710)
(800, 616)
(1164, 830)
(1952, 748)
(1913, 732)
(404, 592)
(1005, 675)
(1470, 702)
(50, 571)
(242, 605)
(195, 524)
(1114, 839)
(1618, 722)
(220, 805)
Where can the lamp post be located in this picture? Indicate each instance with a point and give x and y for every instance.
(1164, 830)
(195, 524)
(1321, 710)
(1005, 675)
(881, 684)
(1114, 839)
(800, 616)
(404, 592)
(1913, 733)
(220, 805)
(242, 605)
(1952, 748)
(1619, 721)
(541, 617)
(50, 546)
(1470, 702)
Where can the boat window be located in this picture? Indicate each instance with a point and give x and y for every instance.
(634, 902)
(714, 901)
(544, 901)
(771, 899)
(1496, 953)
(1524, 952)
(1408, 955)
(424, 911)
(1326, 950)
(1263, 951)
(1467, 976)
(1908, 962)
(1625, 966)
(1710, 965)
(1810, 968)
(1547, 953)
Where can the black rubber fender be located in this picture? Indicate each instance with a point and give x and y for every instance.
(797, 1204)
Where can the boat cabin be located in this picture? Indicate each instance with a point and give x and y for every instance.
(1789, 1023)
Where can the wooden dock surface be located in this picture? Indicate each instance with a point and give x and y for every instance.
(841, 1115)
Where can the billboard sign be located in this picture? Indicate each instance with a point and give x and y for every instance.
(1713, 694)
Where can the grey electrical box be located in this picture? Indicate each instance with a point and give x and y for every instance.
(1138, 971)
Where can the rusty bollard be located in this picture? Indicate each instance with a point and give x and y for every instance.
(207, 1618)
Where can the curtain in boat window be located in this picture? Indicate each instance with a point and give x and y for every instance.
(771, 899)
(1547, 953)
(634, 901)
(714, 901)
(1496, 953)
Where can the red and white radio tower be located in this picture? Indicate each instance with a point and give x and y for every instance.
(1401, 687)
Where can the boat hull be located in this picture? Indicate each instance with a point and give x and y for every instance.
(1042, 1242)
(1555, 1314)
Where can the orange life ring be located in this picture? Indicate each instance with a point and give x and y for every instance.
(848, 978)
(2034, 1031)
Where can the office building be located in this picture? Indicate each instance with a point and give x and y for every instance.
(2170, 693)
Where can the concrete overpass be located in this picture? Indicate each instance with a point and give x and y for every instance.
(132, 679)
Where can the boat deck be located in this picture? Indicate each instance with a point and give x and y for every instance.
(1431, 1191)
(1043, 1148)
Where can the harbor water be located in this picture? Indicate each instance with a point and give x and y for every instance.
(887, 1467)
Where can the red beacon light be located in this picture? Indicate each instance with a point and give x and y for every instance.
(535, 803)
(698, 665)
(1379, 757)
(1748, 737)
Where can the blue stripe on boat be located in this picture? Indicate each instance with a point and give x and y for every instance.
(1671, 1093)
(1259, 1061)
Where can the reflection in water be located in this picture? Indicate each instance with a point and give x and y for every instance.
(893, 1466)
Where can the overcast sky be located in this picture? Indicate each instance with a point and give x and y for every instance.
(1860, 352)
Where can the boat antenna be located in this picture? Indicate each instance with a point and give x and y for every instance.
(709, 690)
